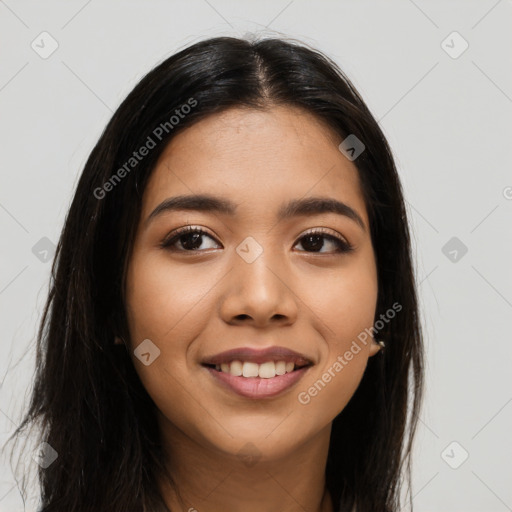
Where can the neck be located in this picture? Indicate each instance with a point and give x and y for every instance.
(212, 480)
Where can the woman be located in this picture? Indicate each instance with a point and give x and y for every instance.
(232, 322)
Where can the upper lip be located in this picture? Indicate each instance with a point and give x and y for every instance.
(259, 356)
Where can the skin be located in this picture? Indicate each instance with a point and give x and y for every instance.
(193, 304)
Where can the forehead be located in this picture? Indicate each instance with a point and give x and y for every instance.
(257, 158)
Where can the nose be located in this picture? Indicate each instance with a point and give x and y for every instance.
(260, 293)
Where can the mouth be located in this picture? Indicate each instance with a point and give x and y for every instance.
(249, 369)
(257, 381)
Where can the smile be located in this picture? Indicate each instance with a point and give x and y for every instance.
(253, 380)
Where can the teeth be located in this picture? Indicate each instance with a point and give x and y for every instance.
(236, 368)
(280, 368)
(265, 370)
(250, 370)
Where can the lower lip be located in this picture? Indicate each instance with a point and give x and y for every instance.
(256, 387)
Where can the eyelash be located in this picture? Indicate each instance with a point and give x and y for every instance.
(343, 245)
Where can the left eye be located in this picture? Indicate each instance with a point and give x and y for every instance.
(314, 239)
(190, 240)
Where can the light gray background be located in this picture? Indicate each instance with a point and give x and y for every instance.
(447, 120)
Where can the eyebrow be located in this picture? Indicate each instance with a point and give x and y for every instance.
(294, 208)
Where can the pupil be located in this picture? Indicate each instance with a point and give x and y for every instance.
(318, 239)
(195, 237)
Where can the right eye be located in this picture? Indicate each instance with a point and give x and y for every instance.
(189, 237)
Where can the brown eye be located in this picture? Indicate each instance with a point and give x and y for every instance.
(314, 242)
(189, 237)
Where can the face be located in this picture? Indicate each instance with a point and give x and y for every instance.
(251, 278)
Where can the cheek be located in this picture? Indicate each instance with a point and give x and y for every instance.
(353, 309)
(160, 297)
(345, 307)
(164, 305)
(344, 304)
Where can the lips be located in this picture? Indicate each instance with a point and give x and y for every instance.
(255, 387)
(258, 373)
(258, 356)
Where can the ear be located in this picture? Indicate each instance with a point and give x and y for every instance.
(118, 341)
(374, 348)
